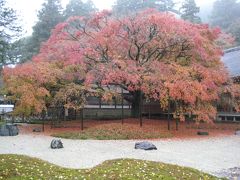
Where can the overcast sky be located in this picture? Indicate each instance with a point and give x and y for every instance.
(27, 9)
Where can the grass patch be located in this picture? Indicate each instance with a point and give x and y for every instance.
(23, 167)
(114, 132)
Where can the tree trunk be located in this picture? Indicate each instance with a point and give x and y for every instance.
(135, 104)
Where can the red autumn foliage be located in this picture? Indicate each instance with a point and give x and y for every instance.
(152, 52)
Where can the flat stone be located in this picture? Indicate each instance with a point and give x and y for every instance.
(202, 133)
(9, 130)
(56, 144)
(237, 133)
(145, 146)
(37, 130)
(231, 173)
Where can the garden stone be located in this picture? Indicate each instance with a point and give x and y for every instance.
(56, 144)
(202, 133)
(9, 130)
(232, 173)
(37, 130)
(237, 133)
(145, 146)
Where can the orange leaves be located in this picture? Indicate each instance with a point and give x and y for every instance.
(26, 85)
(153, 52)
(71, 96)
(28, 96)
(40, 73)
(30, 84)
(232, 92)
(107, 96)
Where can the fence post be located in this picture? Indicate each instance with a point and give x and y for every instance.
(122, 106)
(140, 109)
(82, 119)
(168, 115)
(177, 120)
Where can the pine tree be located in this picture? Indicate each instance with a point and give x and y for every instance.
(226, 15)
(189, 11)
(48, 17)
(225, 12)
(234, 29)
(125, 7)
(23, 49)
(9, 29)
(79, 8)
(166, 5)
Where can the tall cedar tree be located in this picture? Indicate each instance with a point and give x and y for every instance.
(8, 30)
(48, 17)
(166, 5)
(226, 14)
(24, 50)
(125, 7)
(234, 29)
(189, 11)
(79, 8)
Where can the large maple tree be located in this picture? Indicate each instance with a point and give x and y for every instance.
(150, 53)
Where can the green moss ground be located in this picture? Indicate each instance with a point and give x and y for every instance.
(23, 167)
(114, 132)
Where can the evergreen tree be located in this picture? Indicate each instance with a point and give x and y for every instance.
(8, 31)
(234, 29)
(79, 8)
(48, 17)
(23, 49)
(225, 12)
(125, 7)
(189, 11)
(166, 5)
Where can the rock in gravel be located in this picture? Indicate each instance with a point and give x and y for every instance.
(237, 133)
(56, 144)
(9, 130)
(232, 173)
(37, 130)
(145, 146)
(202, 133)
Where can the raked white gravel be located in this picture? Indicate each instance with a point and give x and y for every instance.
(209, 154)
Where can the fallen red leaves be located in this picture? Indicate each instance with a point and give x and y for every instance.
(186, 130)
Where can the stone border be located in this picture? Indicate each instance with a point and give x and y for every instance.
(232, 49)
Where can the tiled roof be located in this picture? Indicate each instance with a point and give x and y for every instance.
(232, 62)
